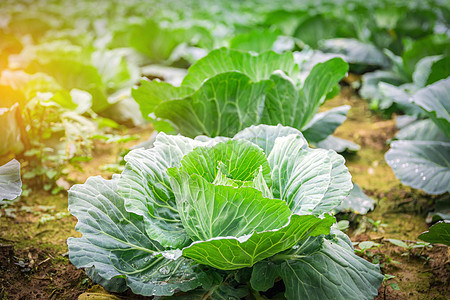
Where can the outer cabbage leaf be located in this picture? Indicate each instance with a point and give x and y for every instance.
(152, 93)
(320, 81)
(337, 144)
(431, 45)
(284, 103)
(320, 268)
(370, 81)
(116, 244)
(423, 69)
(435, 100)
(393, 94)
(439, 70)
(333, 272)
(10, 183)
(225, 104)
(309, 180)
(145, 187)
(265, 272)
(325, 123)
(421, 164)
(288, 105)
(422, 130)
(356, 52)
(439, 233)
(265, 135)
(159, 42)
(316, 28)
(404, 120)
(357, 202)
(231, 253)
(256, 67)
(339, 187)
(223, 290)
(255, 40)
(154, 41)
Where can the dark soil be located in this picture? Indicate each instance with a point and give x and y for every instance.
(33, 273)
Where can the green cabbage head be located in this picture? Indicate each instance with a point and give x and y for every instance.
(221, 218)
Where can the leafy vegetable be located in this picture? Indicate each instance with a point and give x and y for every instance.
(97, 72)
(434, 99)
(255, 40)
(187, 214)
(421, 164)
(439, 233)
(229, 90)
(337, 144)
(10, 183)
(224, 105)
(422, 158)
(392, 89)
(357, 202)
(356, 52)
(320, 268)
(158, 40)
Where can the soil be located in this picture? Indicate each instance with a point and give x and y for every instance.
(34, 230)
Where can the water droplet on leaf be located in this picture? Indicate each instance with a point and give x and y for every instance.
(164, 270)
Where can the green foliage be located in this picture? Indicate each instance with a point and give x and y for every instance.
(421, 158)
(96, 72)
(229, 90)
(433, 99)
(357, 202)
(50, 125)
(255, 40)
(391, 89)
(191, 215)
(439, 233)
(10, 183)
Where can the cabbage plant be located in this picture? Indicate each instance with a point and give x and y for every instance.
(229, 90)
(425, 63)
(420, 157)
(220, 218)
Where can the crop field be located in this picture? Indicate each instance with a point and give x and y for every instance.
(204, 149)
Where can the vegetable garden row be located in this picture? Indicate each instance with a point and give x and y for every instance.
(247, 149)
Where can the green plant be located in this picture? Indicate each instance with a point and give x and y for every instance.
(420, 157)
(229, 90)
(376, 257)
(222, 217)
(376, 224)
(393, 285)
(438, 233)
(424, 63)
(410, 246)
